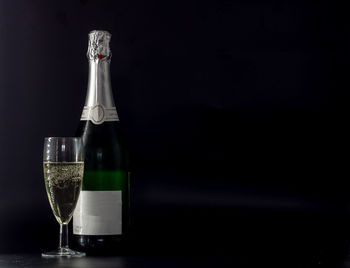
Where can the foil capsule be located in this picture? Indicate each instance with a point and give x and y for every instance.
(98, 46)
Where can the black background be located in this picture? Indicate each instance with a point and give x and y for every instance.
(235, 112)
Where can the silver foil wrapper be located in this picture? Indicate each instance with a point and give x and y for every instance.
(98, 49)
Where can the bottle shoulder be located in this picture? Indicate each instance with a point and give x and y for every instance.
(108, 135)
(106, 129)
(104, 145)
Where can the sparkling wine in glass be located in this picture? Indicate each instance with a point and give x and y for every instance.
(63, 164)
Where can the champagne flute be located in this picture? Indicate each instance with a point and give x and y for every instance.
(63, 162)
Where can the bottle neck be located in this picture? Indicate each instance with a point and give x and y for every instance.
(99, 90)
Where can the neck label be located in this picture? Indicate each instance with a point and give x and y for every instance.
(98, 114)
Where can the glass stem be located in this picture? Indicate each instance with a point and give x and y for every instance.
(63, 236)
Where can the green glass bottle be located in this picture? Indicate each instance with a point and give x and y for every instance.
(100, 220)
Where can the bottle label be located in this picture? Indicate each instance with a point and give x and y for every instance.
(98, 213)
(98, 114)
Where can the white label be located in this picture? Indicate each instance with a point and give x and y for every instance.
(98, 213)
(98, 114)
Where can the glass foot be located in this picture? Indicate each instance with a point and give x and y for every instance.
(63, 252)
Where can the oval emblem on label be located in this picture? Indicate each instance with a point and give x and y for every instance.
(97, 114)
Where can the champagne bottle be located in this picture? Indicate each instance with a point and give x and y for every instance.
(101, 216)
